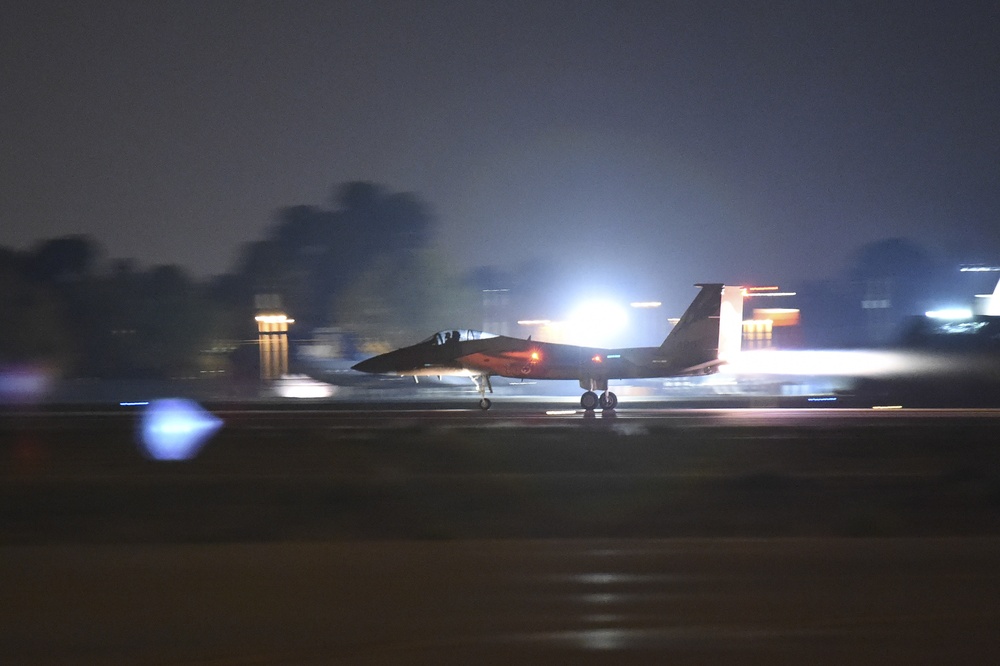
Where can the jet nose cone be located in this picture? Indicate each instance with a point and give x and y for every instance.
(380, 364)
(398, 361)
(368, 365)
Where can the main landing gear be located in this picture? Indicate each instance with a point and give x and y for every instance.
(482, 383)
(590, 401)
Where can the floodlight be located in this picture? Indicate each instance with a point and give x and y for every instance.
(597, 323)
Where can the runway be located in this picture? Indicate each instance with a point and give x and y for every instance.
(687, 601)
(527, 411)
(417, 471)
(425, 533)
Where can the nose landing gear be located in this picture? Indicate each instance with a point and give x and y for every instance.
(482, 383)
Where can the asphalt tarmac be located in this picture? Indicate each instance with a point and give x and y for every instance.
(436, 533)
(681, 601)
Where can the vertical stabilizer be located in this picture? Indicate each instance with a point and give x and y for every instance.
(695, 338)
(730, 323)
(993, 302)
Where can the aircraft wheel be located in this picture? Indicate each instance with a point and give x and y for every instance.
(609, 400)
(588, 401)
(485, 404)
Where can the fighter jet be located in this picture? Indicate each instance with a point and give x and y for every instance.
(708, 332)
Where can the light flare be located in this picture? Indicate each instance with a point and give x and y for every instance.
(25, 384)
(596, 323)
(176, 429)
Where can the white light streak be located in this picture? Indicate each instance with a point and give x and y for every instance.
(302, 387)
(274, 319)
(949, 313)
(834, 363)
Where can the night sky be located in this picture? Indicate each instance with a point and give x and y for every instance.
(662, 143)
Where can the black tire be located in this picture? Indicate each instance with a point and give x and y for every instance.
(589, 401)
(485, 404)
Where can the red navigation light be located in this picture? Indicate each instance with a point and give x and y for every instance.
(597, 358)
(535, 356)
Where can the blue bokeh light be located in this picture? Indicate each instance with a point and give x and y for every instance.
(176, 429)
(20, 384)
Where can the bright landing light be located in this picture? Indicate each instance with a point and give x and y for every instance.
(596, 323)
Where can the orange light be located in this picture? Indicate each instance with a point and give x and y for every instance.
(535, 356)
(750, 292)
(597, 358)
(779, 316)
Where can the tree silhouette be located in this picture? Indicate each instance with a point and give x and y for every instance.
(65, 259)
(36, 330)
(311, 255)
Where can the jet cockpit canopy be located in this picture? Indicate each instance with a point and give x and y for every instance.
(458, 335)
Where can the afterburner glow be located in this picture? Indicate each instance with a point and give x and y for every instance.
(835, 363)
(950, 313)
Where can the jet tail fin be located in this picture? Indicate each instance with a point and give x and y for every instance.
(710, 331)
(730, 323)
